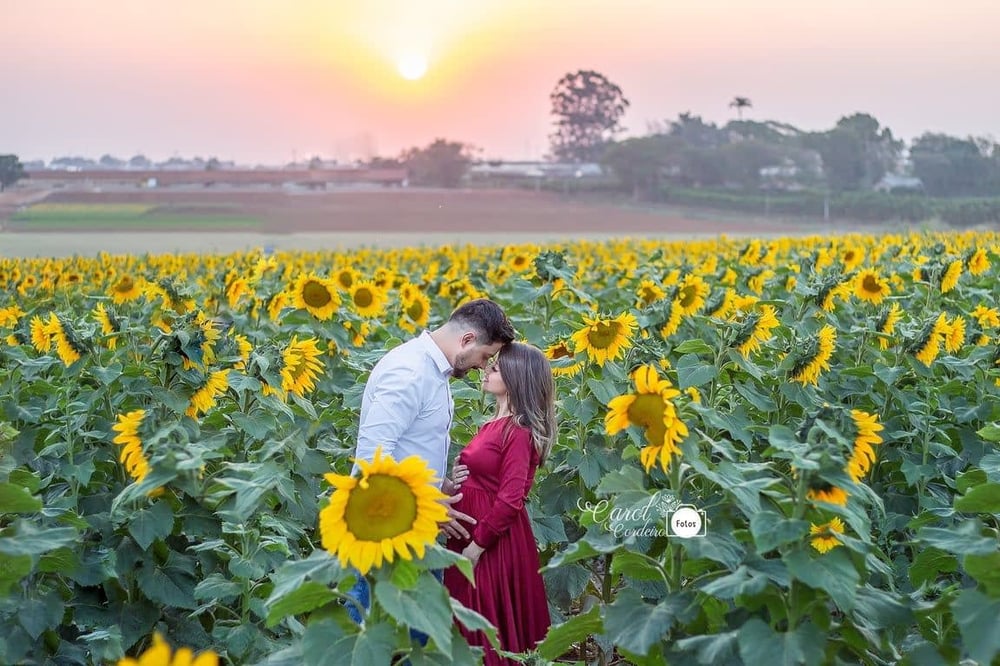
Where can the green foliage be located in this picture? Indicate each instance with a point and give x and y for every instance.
(587, 109)
(11, 171)
(440, 164)
(217, 547)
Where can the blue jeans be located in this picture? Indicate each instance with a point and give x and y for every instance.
(362, 594)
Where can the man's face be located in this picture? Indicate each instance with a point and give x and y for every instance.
(473, 355)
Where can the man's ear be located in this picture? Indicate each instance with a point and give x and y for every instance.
(468, 338)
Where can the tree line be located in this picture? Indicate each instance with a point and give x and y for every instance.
(853, 156)
(687, 152)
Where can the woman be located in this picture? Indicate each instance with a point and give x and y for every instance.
(501, 461)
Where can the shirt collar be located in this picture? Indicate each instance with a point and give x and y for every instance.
(440, 360)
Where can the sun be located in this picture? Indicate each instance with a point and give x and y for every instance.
(412, 66)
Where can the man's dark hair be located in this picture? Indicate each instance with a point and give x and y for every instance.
(487, 319)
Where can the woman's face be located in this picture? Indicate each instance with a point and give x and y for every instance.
(493, 378)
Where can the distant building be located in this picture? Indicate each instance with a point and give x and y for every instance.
(498, 172)
(166, 178)
(894, 182)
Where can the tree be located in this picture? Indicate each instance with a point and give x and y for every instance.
(587, 108)
(949, 166)
(857, 152)
(642, 164)
(11, 171)
(695, 132)
(741, 103)
(441, 164)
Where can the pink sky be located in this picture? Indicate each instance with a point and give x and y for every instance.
(263, 81)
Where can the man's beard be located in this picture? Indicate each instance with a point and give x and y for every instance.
(460, 369)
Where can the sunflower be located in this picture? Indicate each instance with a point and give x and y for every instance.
(828, 493)
(954, 337)
(68, 348)
(126, 289)
(949, 280)
(316, 295)
(866, 436)
(886, 324)
(243, 348)
(358, 332)
(567, 367)
(720, 304)
(416, 311)
(9, 316)
(652, 409)
(978, 262)
(204, 398)
(131, 455)
(109, 324)
(756, 281)
(207, 335)
(755, 329)
(41, 335)
(648, 293)
(870, 286)
(815, 356)
(605, 339)
(519, 262)
(673, 321)
(277, 303)
(393, 509)
(236, 288)
(691, 295)
(928, 343)
(346, 277)
(829, 300)
(160, 655)
(367, 298)
(300, 365)
(852, 258)
(824, 537)
(986, 317)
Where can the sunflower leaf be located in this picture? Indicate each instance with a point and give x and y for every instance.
(561, 637)
(425, 607)
(16, 499)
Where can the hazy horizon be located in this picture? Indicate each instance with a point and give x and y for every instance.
(265, 82)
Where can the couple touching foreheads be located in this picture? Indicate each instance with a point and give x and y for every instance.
(407, 410)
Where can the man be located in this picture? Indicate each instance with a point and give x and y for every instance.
(407, 405)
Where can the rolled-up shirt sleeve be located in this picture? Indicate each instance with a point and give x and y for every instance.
(515, 466)
(388, 409)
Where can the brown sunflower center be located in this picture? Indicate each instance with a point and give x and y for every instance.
(345, 279)
(688, 294)
(415, 310)
(315, 294)
(383, 510)
(560, 351)
(603, 334)
(363, 297)
(870, 284)
(125, 284)
(647, 411)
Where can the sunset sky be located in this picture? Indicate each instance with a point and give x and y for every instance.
(264, 81)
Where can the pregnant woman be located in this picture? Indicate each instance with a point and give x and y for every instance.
(501, 460)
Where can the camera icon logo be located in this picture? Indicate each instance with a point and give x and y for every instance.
(686, 522)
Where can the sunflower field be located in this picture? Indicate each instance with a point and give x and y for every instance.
(177, 430)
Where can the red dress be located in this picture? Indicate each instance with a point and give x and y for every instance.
(509, 591)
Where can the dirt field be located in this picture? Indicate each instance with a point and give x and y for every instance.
(393, 217)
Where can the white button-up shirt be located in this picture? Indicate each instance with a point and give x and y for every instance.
(407, 405)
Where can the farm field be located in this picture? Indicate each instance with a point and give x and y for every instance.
(826, 406)
(150, 221)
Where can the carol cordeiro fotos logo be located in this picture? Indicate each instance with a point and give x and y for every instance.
(660, 515)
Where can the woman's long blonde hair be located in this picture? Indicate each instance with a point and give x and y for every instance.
(531, 393)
